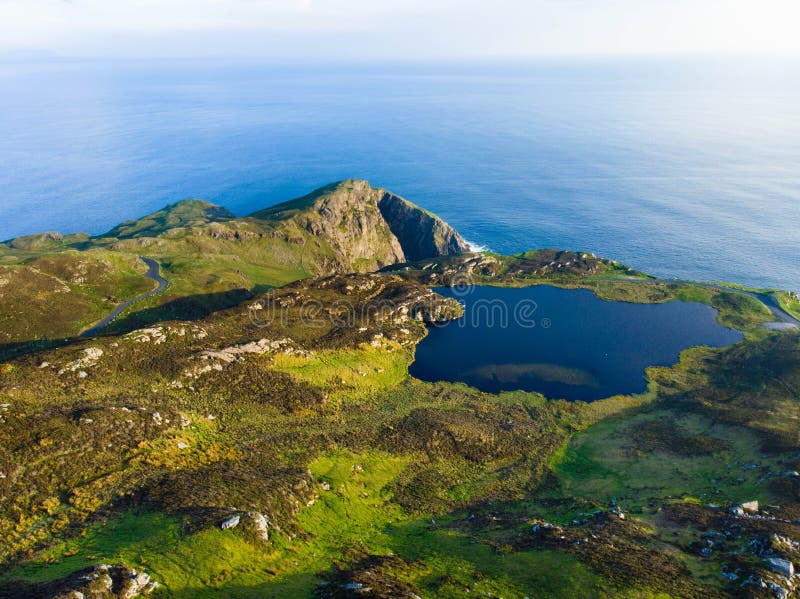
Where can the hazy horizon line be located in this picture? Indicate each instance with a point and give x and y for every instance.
(16, 55)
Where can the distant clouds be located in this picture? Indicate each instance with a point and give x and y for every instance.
(395, 28)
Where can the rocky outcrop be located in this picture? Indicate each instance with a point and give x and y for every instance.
(37, 241)
(365, 228)
(98, 582)
(258, 525)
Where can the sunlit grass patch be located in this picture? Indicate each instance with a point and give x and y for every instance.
(350, 373)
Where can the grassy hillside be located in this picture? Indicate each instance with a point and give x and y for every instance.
(184, 214)
(367, 476)
(60, 294)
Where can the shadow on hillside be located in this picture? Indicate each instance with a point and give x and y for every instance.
(18, 589)
(14, 589)
(194, 307)
(10, 351)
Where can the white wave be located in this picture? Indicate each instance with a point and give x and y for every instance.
(477, 247)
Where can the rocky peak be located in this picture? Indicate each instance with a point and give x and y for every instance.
(367, 227)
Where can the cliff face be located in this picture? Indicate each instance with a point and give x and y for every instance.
(421, 234)
(364, 227)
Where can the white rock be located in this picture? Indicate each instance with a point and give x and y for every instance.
(260, 524)
(92, 354)
(781, 566)
(750, 507)
(780, 592)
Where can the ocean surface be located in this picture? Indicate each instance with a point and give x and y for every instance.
(563, 343)
(682, 168)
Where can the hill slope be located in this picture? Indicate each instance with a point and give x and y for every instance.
(186, 213)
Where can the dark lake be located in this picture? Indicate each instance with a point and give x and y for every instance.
(566, 344)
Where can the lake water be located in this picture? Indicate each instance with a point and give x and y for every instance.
(682, 168)
(566, 344)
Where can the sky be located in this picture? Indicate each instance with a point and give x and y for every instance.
(395, 29)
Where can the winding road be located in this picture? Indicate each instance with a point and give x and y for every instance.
(152, 273)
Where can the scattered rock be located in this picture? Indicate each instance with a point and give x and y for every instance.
(748, 507)
(617, 512)
(258, 523)
(781, 566)
(155, 334)
(751, 507)
(780, 592)
(231, 522)
(218, 358)
(91, 355)
(103, 581)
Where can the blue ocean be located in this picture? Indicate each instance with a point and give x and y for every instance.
(683, 168)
